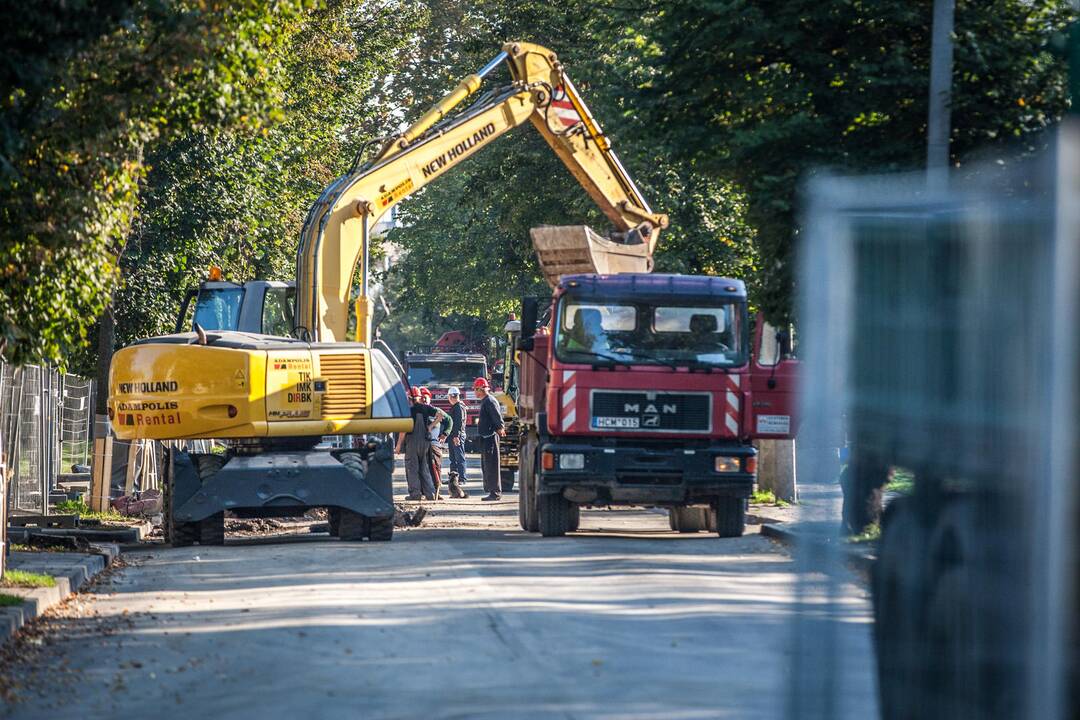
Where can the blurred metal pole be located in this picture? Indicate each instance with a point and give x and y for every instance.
(938, 123)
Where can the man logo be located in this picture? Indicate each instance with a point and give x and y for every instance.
(650, 421)
(651, 408)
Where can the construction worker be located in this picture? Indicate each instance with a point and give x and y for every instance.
(456, 440)
(417, 447)
(437, 437)
(490, 428)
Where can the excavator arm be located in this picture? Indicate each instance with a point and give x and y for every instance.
(335, 236)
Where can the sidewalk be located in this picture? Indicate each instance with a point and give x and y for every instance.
(71, 572)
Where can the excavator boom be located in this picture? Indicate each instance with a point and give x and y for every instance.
(335, 239)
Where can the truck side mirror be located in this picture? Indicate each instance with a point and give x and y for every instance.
(529, 310)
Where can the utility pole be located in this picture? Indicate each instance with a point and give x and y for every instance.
(939, 123)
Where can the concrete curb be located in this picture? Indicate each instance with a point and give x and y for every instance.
(861, 559)
(71, 570)
(133, 534)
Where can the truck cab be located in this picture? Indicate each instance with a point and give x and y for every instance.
(644, 389)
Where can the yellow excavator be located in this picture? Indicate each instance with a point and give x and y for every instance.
(273, 398)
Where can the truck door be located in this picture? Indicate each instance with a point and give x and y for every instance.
(773, 385)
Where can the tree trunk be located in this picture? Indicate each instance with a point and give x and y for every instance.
(106, 342)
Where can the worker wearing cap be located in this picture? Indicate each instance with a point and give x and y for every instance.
(436, 437)
(417, 447)
(490, 429)
(456, 439)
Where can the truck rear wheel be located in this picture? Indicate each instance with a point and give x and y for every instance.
(333, 519)
(506, 480)
(575, 517)
(554, 515)
(730, 516)
(527, 489)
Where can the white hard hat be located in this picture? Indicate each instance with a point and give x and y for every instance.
(453, 391)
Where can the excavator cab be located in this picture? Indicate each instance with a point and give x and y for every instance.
(262, 307)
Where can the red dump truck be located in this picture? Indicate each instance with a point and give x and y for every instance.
(643, 389)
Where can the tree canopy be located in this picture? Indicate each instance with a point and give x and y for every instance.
(142, 140)
(794, 86)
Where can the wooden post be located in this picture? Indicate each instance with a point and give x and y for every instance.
(101, 474)
(132, 466)
(776, 468)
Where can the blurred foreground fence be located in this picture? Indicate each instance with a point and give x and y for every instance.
(940, 327)
(46, 419)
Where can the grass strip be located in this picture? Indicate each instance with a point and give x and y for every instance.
(22, 578)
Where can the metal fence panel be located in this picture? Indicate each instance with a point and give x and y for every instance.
(940, 325)
(46, 421)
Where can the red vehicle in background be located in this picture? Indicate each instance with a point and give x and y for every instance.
(643, 389)
(439, 371)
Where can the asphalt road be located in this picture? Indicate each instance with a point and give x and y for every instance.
(464, 617)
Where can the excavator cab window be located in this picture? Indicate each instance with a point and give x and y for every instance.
(219, 308)
(277, 315)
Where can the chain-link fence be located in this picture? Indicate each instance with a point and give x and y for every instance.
(46, 425)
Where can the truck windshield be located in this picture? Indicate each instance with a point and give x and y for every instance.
(219, 308)
(701, 332)
(445, 374)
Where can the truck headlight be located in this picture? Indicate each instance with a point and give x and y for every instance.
(572, 461)
(724, 464)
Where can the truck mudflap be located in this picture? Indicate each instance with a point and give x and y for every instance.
(284, 479)
(645, 475)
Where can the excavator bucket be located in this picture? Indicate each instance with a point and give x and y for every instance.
(569, 249)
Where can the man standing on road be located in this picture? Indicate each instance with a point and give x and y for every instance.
(436, 438)
(417, 446)
(490, 429)
(456, 440)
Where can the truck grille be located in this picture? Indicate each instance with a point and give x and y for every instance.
(346, 386)
(651, 412)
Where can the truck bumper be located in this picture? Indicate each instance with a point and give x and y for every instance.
(632, 475)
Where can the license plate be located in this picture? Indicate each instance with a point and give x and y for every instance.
(616, 422)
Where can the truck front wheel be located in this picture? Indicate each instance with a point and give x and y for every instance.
(555, 515)
(730, 516)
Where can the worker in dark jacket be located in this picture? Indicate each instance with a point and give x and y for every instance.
(417, 447)
(455, 437)
(490, 428)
